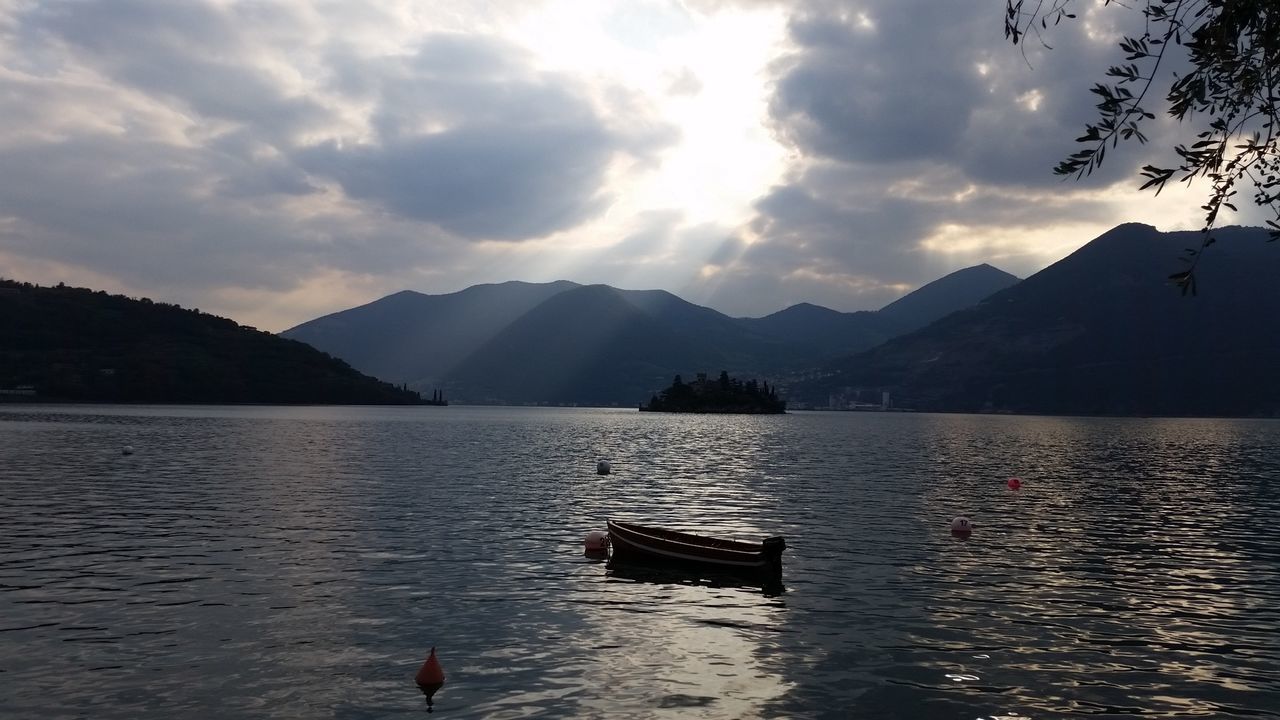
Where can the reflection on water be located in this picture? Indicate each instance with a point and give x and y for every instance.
(299, 562)
(666, 575)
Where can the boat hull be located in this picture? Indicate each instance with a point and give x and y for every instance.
(645, 545)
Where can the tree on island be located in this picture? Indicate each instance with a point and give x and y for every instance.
(727, 395)
(1233, 49)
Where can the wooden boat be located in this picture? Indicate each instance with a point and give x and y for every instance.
(631, 542)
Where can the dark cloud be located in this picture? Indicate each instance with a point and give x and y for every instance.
(472, 80)
(264, 178)
(804, 227)
(148, 189)
(134, 221)
(196, 54)
(197, 145)
(849, 93)
(907, 117)
(472, 140)
(507, 183)
(913, 80)
(153, 224)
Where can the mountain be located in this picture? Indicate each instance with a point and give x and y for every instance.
(816, 333)
(741, 344)
(566, 343)
(1102, 331)
(64, 343)
(589, 345)
(960, 289)
(419, 339)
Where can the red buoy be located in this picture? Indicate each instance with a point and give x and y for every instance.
(430, 677)
(1014, 483)
(596, 541)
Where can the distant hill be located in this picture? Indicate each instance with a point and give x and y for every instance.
(959, 290)
(420, 339)
(588, 346)
(566, 343)
(1102, 331)
(816, 333)
(64, 343)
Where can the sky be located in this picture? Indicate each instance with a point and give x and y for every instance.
(273, 161)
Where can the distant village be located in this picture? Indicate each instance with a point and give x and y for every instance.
(856, 399)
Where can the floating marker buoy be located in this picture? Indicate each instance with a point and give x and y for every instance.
(597, 542)
(602, 468)
(126, 450)
(961, 527)
(430, 677)
(1014, 483)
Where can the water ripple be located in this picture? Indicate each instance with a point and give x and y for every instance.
(298, 562)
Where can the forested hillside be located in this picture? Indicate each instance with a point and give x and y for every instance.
(64, 343)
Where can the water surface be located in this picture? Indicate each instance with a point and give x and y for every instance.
(300, 562)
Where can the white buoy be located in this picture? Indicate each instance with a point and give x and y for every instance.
(602, 468)
(126, 450)
(961, 527)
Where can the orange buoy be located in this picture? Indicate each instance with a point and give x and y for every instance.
(430, 677)
(1014, 483)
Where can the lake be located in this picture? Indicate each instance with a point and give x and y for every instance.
(255, 562)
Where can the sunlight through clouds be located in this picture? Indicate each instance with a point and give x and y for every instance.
(277, 161)
(725, 156)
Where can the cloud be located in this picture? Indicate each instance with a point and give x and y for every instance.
(195, 55)
(845, 95)
(150, 215)
(206, 149)
(243, 156)
(913, 80)
(685, 82)
(916, 131)
(507, 183)
(468, 138)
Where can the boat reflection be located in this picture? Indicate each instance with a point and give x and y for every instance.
(631, 571)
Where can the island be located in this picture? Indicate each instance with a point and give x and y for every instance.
(726, 395)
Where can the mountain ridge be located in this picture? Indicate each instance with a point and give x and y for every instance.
(1100, 332)
(418, 338)
(420, 343)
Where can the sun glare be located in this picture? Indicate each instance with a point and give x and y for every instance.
(1031, 99)
(726, 156)
(701, 74)
(1018, 247)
